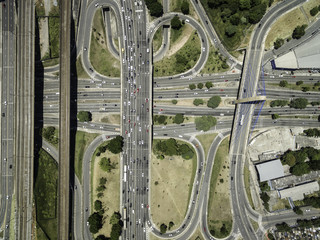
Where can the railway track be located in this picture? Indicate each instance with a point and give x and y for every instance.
(64, 122)
(24, 118)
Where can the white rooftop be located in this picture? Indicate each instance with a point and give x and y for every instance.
(298, 192)
(270, 170)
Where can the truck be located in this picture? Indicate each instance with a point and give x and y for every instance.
(125, 177)
(124, 218)
(241, 120)
(125, 168)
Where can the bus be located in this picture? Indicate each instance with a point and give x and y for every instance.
(241, 121)
(124, 218)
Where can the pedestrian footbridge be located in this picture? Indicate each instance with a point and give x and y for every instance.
(251, 99)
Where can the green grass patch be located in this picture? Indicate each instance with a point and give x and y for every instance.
(219, 212)
(40, 233)
(246, 173)
(206, 141)
(54, 32)
(45, 191)
(254, 224)
(100, 57)
(50, 62)
(215, 63)
(170, 118)
(81, 73)
(293, 86)
(157, 39)
(40, 11)
(83, 140)
(175, 34)
(182, 60)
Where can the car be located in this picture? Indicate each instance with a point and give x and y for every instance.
(195, 93)
(96, 5)
(203, 49)
(141, 205)
(7, 196)
(87, 223)
(86, 209)
(3, 114)
(10, 166)
(85, 49)
(215, 40)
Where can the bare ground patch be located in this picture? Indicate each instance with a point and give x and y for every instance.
(110, 118)
(178, 44)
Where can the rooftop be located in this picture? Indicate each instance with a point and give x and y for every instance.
(298, 192)
(270, 170)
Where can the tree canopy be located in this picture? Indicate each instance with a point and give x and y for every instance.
(299, 103)
(179, 118)
(155, 8)
(84, 116)
(299, 31)
(204, 123)
(176, 23)
(95, 222)
(115, 145)
(214, 102)
(185, 7)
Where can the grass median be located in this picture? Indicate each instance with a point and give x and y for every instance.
(215, 63)
(157, 40)
(206, 141)
(109, 195)
(246, 173)
(100, 57)
(171, 184)
(83, 140)
(219, 209)
(45, 193)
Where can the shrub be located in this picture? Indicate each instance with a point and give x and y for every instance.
(214, 102)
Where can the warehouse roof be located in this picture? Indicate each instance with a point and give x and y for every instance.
(298, 192)
(270, 170)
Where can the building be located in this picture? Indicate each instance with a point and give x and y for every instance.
(270, 170)
(298, 192)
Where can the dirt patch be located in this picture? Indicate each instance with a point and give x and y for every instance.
(44, 36)
(110, 118)
(111, 195)
(169, 192)
(178, 44)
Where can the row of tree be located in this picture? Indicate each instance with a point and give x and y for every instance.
(312, 132)
(297, 160)
(200, 85)
(115, 146)
(171, 147)
(302, 224)
(297, 103)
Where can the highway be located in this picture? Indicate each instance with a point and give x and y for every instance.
(243, 115)
(7, 72)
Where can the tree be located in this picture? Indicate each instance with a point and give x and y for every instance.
(200, 85)
(289, 159)
(171, 224)
(283, 83)
(223, 230)
(214, 102)
(185, 151)
(185, 7)
(197, 102)
(244, 4)
(174, 101)
(314, 11)
(299, 83)
(161, 119)
(97, 205)
(105, 164)
(298, 32)
(156, 9)
(178, 118)
(297, 210)
(176, 23)
(95, 222)
(300, 169)
(101, 237)
(115, 218)
(299, 103)
(204, 123)
(102, 181)
(192, 86)
(283, 227)
(209, 85)
(115, 145)
(235, 19)
(278, 43)
(256, 13)
(84, 116)
(163, 228)
(305, 89)
(48, 132)
(116, 230)
(275, 116)
(231, 30)
(278, 103)
(264, 187)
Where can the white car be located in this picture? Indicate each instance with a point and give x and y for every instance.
(141, 205)
(96, 5)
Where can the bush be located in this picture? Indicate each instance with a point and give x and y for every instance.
(299, 83)
(176, 23)
(209, 85)
(283, 83)
(105, 164)
(200, 85)
(279, 103)
(305, 89)
(314, 11)
(298, 211)
(299, 31)
(214, 102)
(84, 116)
(275, 116)
(278, 43)
(231, 30)
(95, 221)
(192, 86)
(174, 101)
(163, 228)
(155, 8)
(178, 118)
(198, 101)
(204, 123)
(185, 7)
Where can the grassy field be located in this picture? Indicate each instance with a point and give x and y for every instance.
(206, 141)
(246, 173)
(111, 119)
(308, 6)
(101, 59)
(175, 6)
(169, 196)
(54, 32)
(111, 195)
(219, 211)
(51, 62)
(83, 140)
(197, 235)
(190, 52)
(281, 204)
(290, 20)
(45, 192)
(215, 63)
(81, 73)
(293, 86)
(157, 39)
